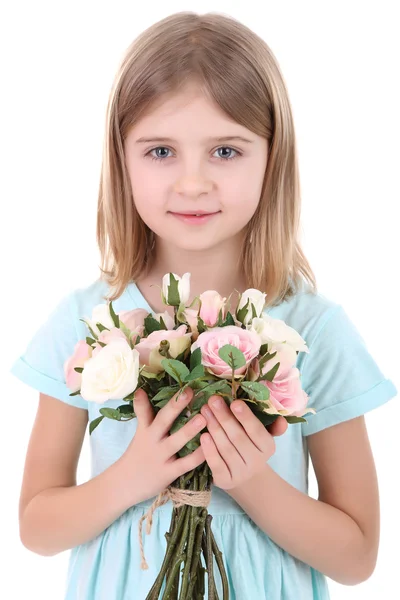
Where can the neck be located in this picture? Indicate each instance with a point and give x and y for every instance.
(218, 268)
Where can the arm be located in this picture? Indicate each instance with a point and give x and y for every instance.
(55, 514)
(61, 518)
(338, 534)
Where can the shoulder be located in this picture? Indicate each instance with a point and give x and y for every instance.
(307, 312)
(84, 299)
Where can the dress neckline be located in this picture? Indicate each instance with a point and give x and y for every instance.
(138, 298)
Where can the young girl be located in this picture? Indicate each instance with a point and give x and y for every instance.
(199, 123)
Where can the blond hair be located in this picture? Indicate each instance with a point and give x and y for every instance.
(236, 69)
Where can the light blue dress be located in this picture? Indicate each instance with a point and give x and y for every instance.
(342, 380)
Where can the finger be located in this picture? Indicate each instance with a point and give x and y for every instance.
(255, 430)
(228, 452)
(165, 417)
(143, 408)
(218, 466)
(180, 438)
(187, 463)
(278, 427)
(232, 428)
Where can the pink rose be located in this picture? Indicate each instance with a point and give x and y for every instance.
(134, 320)
(82, 353)
(211, 341)
(286, 394)
(106, 336)
(211, 304)
(148, 347)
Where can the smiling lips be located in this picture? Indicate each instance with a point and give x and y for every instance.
(195, 218)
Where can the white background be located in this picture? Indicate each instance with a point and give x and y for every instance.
(341, 63)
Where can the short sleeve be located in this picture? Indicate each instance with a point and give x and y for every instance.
(340, 375)
(41, 366)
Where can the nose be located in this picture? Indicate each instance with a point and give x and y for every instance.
(192, 185)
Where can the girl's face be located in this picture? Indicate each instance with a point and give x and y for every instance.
(184, 167)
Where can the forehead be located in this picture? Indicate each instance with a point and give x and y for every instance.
(190, 111)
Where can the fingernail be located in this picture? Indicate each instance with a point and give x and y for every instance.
(216, 403)
(184, 396)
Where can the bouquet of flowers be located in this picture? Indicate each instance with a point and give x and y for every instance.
(237, 354)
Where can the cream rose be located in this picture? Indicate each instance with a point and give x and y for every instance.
(112, 374)
(256, 299)
(183, 288)
(148, 348)
(100, 314)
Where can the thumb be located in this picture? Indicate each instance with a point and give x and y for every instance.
(143, 409)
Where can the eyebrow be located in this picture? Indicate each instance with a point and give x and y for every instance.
(227, 138)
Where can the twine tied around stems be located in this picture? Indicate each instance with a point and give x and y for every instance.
(179, 497)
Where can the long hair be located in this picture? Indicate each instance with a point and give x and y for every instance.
(237, 70)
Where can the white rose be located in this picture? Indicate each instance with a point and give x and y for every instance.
(275, 331)
(257, 299)
(112, 373)
(183, 288)
(100, 314)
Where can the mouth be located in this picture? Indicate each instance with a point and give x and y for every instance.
(195, 219)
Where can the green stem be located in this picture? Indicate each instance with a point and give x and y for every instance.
(196, 553)
(194, 520)
(155, 590)
(180, 558)
(210, 559)
(221, 567)
(205, 552)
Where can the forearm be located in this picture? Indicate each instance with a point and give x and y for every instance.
(313, 531)
(61, 518)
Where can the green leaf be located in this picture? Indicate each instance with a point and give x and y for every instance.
(90, 340)
(271, 373)
(95, 336)
(196, 373)
(229, 320)
(293, 420)
(166, 392)
(201, 326)
(178, 424)
(111, 413)
(263, 349)
(78, 369)
(93, 424)
(264, 359)
(241, 313)
(173, 291)
(75, 393)
(151, 324)
(101, 327)
(126, 409)
(199, 401)
(255, 390)
(127, 332)
(195, 358)
(232, 356)
(162, 323)
(265, 418)
(114, 317)
(176, 369)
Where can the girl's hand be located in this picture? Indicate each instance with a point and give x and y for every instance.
(151, 458)
(238, 445)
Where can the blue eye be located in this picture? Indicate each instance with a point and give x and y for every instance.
(161, 158)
